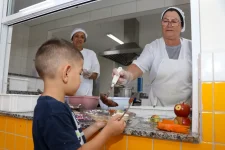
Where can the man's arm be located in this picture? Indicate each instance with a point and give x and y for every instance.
(94, 76)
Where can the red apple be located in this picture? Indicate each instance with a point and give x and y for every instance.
(182, 110)
(182, 121)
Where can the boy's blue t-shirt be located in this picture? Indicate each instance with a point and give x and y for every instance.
(55, 126)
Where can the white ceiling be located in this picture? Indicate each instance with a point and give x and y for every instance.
(149, 23)
(150, 29)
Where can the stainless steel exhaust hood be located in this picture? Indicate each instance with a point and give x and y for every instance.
(130, 50)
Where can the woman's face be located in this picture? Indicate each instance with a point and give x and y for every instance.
(171, 25)
(78, 39)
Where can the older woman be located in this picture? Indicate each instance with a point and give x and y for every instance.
(169, 61)
(91, 67)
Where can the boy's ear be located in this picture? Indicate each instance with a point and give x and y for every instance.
(65, 75)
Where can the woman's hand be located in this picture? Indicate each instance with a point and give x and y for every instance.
(125, 76)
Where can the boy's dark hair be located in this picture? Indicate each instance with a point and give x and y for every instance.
(52, 53)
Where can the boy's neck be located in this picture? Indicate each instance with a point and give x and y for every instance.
(54, 91)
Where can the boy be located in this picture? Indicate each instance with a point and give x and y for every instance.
(54, 124)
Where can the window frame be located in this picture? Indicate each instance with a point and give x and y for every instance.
(6, 31)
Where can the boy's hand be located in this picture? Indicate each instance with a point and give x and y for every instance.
(114, 126)
(100, 124)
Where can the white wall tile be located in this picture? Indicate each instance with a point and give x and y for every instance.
(101, 13)
(206, 67)
(25, 52)
(219, 69)
(18, 83)
(143, 5)
(175, 2)
(38, 40)
(72, 20)
(23, 71)
(39, 84)
(18, 51)
(124, 9)
(212, 32)
(16, 70)
(32, 84)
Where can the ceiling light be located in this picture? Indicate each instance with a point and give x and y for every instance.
(115, 38)
(50, 3)
(38, 6)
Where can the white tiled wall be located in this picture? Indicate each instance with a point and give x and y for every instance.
(219, 63)
(143, 5)
(33, 83)
(212, 66)
(19, 49)
(212, 20)
(207, 66)
(212, 40)
(17, 103)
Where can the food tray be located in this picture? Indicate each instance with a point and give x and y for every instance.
(104, 115)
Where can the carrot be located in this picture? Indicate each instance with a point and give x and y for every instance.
(173, 128)
(166, 121)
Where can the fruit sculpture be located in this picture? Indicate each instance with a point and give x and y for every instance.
(182, 111)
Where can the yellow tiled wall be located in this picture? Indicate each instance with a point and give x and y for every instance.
(15, 134)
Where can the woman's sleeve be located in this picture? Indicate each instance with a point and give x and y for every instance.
(145, 60)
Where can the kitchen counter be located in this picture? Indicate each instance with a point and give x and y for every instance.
(134, 127)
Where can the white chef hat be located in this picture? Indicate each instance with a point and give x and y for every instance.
(180, 13)
(78, 30)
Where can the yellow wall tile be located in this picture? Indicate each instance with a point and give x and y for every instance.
(219, 147)
(219, 96)
(10, 141)
(2, 123)
(135, 143)
(30, 144)
(166, 145)
(2, 139)
(29, 128)
(201, 146)
(207, 96)
(116, 143)
(93, 136)
(207, 129)
(21, 127)
(10, 124)
(20, 143)
(219, 128)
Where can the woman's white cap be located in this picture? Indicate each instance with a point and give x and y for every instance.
(180, 11)
(78, 30)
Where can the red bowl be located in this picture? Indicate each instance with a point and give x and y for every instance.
(88, 102)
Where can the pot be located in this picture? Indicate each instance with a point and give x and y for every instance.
(125, 92)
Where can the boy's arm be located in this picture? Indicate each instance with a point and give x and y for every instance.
(88, 132)
(113, 127)
(98, 141)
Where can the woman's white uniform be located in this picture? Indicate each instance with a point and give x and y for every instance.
(92, 65)
(171, 80)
